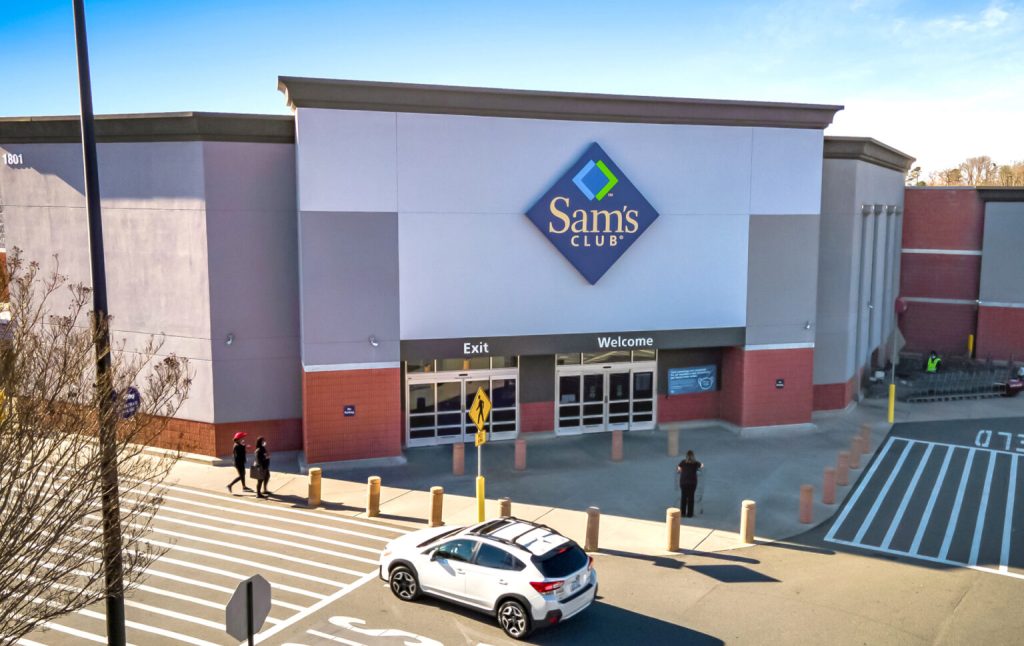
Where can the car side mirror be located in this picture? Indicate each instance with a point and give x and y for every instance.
(435, 555)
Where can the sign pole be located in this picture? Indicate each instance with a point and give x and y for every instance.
(248, 611)
(479, 481)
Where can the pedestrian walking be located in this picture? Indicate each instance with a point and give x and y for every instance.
(261, 469)
(687, 470)
(239, 455)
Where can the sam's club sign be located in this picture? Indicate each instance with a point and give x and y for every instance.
(593, 213)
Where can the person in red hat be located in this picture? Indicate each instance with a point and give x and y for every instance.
(239, 455)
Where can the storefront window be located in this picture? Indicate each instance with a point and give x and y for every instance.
(504, 362)
(419, 366)
(645, 355)
(610, 356)
(421, 398)
(472, 363)
(571, 359)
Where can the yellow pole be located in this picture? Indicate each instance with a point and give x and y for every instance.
(892, 403)
(479, 499)
(970, 346)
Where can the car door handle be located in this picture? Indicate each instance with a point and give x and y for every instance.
(460, 571)
(502, 582)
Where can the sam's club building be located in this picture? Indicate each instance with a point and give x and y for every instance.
(346, 278)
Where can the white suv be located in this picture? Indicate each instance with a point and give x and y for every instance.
(523, 573)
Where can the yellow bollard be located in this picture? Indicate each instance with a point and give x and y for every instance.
(970, 346)
(479, 499)
(593, 529)
(672, 527)
(373, 496)
(892, 403)
(313, 497)
(748, 518)
(436, 504)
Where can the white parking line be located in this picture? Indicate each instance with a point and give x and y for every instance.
(152, 629)
(238, 578)
(332, 638)
(955, 515)
(268, 539)
(264, 515)
(979, 524)
(926, 518)
(860, 489)
(28, 642)
(1004, 554)
(250, 563)
(212, 586)
(321, 516)
(263, 636)
(911, 488)
(74, 632)
(882, 494)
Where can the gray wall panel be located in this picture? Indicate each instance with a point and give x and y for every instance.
(1002, 259)
(252, 233)
(349, 287)
(536, 378)
(782, 279)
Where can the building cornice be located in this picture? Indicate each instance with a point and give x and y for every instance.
(867, 150)
(1001, 193)
(528, 104)
(166, 126)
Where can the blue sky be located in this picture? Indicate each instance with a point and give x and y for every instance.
(940, 80)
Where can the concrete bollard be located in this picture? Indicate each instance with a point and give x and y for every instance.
(458, 459)
(520, 455)
(673, 443)
(828, 489)
(806, 503)
(672, 525)
(855, 453)
(313, 497)
(865, 438)
(843, 469)
(616, 446)
(593, 529)
(504, 507)
(373, 496)
(748, 518)
(436, 504)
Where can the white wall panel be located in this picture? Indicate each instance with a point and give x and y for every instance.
(346, 160)
(786, 171)
(497, 275)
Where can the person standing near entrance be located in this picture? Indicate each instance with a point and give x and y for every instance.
(687, 470)
(238, 453)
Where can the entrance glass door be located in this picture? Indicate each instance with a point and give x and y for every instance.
(438, 403)
(605, 398)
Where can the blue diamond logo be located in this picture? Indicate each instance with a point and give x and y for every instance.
(591, 225)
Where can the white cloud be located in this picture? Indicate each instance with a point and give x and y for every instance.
(990, 18)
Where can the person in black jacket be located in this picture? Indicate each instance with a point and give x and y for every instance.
(687, 470)
(239, 456)
(263, 462)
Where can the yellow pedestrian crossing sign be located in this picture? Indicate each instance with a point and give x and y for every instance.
(480, 410)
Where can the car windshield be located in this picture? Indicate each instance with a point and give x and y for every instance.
(434, 539)
(563, 562)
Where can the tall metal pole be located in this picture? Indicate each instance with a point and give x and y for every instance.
(113, 567)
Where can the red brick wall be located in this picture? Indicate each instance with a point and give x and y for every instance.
(679, 408)
(1000, 333)
(834, 396)
(941, 327)
(940, 276)
(536, 417)
(376, 429)
(937, 218)
(749, 396)
(205, 438)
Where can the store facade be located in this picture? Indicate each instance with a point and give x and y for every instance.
(593, 262)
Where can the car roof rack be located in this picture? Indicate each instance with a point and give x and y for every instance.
(488, 529)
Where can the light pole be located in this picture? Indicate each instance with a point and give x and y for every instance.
(113, 568)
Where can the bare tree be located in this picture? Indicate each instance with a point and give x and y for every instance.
(913, 177)
(947, 177)
(978, 171)
(1012, 174)
(50, 479)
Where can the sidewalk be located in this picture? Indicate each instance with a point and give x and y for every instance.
(566, 475)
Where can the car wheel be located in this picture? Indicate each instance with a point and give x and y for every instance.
(404, 584)
(513, 619)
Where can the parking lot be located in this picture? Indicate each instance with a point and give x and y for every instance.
(214, 541)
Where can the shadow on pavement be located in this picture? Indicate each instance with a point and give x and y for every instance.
(795, 547)
(605, 624)
(658, 561)
(733, 574)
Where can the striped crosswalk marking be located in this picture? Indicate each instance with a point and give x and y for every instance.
(970, 506)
